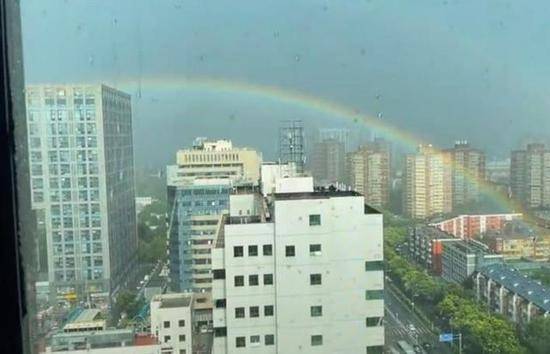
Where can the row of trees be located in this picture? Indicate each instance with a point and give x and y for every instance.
(152, 233)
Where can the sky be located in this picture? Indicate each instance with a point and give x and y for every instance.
(439, 70)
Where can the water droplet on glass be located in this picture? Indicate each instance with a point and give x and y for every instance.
(380, 114)
(363, 51)
(378, 96)
(297, 58)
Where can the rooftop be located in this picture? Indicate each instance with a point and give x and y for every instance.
(319, 194)
(517, 230)
(167, 302)
(469, 247)
(513, 280)
(86, 315)
(432, 232)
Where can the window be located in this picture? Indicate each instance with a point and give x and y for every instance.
(290, 251)
(315, 279)
(239, 312)
(315, 250)
(252, 251)
(268, 310)
(253, 280)
(374, 321)
(375, 349)
(268, 250)
(166, 339)
(254, 311)
(166, 324)
(268, 279)
(220, 332)
(269, 339)
(218, 274)
(255, 340)
(183, 351)
(374, 265)
(314, 220)
(316, 340)
(238, 251)
(181, 323)
(374, 294)
(182, 337)
(220, 303)
(316, 311)
(240, 342)
(239, 280)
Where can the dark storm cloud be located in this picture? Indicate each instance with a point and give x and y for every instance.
(442, 70)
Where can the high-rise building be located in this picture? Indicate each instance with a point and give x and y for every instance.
(468, 172)
(428, 189)
(292, 145)
(286, 281)
(368, 172)
(198, 194)
(530, 176)
(82, 166)
(328, 162)
(340, 134)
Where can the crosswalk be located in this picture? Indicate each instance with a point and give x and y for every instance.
(398, 331)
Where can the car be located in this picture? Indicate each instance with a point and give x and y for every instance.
(426, 345)
(417, 349)
(412, 328)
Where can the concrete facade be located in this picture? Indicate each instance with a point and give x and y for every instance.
(368, 172)
(530, 176)
(171, 322)
(425, 245)
(304, 276)
(428, 183)
(468, 172)
(461, 259)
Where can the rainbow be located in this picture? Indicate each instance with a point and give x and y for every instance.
(305, 101)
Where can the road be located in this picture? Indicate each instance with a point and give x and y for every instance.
(397, 320)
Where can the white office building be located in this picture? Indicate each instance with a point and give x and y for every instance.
(171, 322)
(303, 274)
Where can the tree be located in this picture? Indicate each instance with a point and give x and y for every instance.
(482, 332)
(127, 303)
(537, 335)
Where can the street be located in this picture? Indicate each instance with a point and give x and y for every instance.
(398, 318)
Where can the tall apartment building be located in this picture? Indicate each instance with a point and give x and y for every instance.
(198, 194)
(328, 162)
(340, 134)
(368, 172)
(428, 189)
(287, 280)
(530, 176)
(468, 172)
(82, 179)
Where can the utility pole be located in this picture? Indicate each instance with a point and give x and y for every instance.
(460, 343)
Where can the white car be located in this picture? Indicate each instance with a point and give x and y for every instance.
(412, 328)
